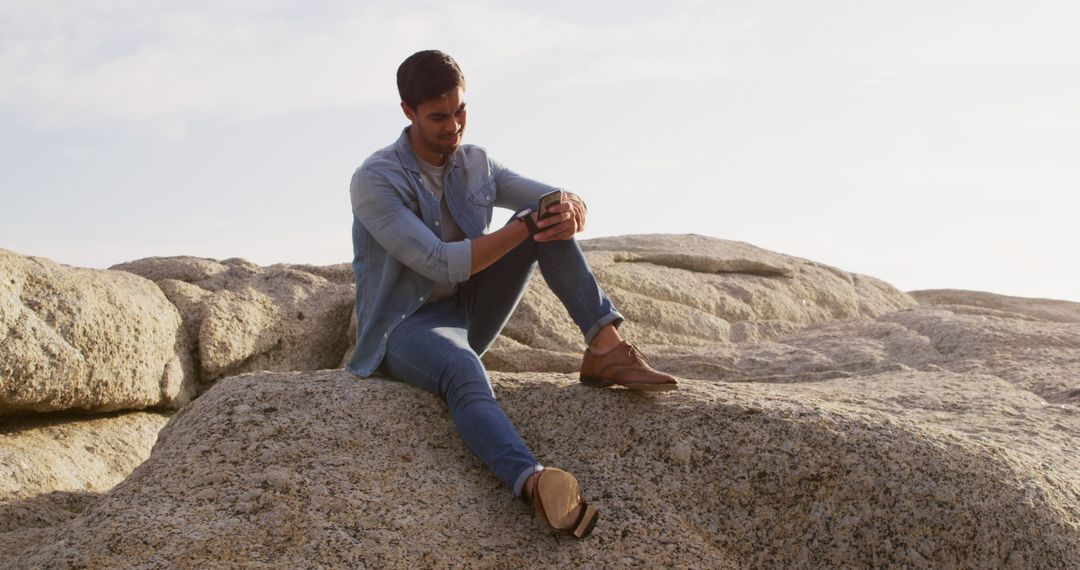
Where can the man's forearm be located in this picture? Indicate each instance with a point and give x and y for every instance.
(489, 248)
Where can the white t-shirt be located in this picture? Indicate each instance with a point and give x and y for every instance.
(432, 177)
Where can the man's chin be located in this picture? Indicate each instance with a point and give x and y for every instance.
(450, 145)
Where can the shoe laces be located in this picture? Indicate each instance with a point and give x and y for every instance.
(637, 355)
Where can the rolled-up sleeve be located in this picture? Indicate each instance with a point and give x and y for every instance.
(382, 210)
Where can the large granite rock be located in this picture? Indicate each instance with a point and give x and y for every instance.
(40, 454)
(684, 291)
(24, 516)
(1037, 356)
(87, 339)
(1045, 309)
(318, 469)
(824, 419)
(53, 467)
(242, 317)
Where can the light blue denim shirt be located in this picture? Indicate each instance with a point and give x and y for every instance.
(398, 252)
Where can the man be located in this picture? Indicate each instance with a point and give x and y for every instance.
(434, 288)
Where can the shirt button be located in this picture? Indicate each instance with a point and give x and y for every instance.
(385, 335)
(436, 222)
(421, 298)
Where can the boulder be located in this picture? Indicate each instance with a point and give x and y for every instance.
(824, 419)
(41, 454)
(22, 517)
(87, 339)
(341, 273)
(1045, 309)
(321, 469)
(53, 467)
(1041, 357)
(242, 317)
(691, 291)
(1038, 356)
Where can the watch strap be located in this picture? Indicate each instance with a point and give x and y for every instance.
(525, 216)
(529, 223)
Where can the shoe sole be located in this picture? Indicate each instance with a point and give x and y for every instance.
(637, 386)
(588, 520)
(558, 489)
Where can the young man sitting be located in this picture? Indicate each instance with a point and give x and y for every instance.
(434, 288)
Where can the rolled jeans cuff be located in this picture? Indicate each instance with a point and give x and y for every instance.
(520, 483)
(612, 317)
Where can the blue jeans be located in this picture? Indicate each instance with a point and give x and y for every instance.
(438, 347)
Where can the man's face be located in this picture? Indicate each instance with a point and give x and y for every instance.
(437, 125)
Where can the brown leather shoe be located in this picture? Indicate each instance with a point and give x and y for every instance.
(554, 496)
(623, 365)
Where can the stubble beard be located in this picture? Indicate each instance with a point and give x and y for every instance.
(447, 149)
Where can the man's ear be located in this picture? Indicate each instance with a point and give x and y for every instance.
(409, 112)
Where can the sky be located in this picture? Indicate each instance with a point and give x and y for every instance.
(931, 144)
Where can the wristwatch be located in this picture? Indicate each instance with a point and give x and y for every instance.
(526, 216)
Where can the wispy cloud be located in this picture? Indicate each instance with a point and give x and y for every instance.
(161, 64)
(164, 62)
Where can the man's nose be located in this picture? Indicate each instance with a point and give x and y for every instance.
(453, 124)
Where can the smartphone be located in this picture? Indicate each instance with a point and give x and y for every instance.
(548, 200)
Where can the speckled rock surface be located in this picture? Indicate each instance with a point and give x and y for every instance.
(39, 454)
(824, 419)
(243, 317)
(87, 339)
(19, 517)
(319, 469)
(52, 467)
(72, 456)
(1036, 356)
(1046, 309)
(689, 290)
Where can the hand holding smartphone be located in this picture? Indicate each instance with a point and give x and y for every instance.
(548, 200)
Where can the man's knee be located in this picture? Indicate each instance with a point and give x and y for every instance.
(464, 378)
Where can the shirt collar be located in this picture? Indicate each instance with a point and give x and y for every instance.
(408, 157)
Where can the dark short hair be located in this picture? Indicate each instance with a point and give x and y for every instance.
(427, 75)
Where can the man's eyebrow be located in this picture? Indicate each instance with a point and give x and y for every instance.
(440, 114)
